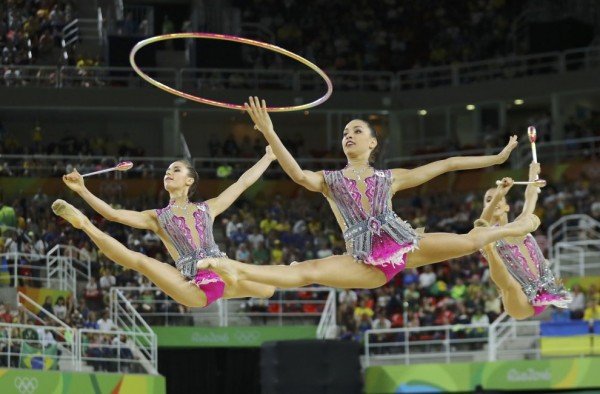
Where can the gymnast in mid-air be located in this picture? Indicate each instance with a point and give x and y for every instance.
(379, 243)
(517, 266)
(184, 227)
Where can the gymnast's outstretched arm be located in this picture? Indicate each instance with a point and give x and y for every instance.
(311, 180)
(405, 179)
(224, 200)
(143, 220)
(532, 191)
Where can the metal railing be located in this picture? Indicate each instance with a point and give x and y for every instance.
(498, 334)
(23, 269)
(60, 270)
(23, 300)
(63, 336)
(499, 69)
(327, 328)
(114, 351)
(286, 307)
(69, 349)
(508, 339)
(70, 33)
(577, 258)
(310, 305)
(14, 337)
(143, 340)
(414, 79)
(573, 241)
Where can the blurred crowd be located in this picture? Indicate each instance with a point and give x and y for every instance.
(31, 33)
(390, 35)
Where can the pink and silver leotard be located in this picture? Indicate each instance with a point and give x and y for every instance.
(189, 253)
(378, 238)
(536, 280)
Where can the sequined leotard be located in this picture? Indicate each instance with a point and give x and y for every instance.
(379, 238)
(189, 253)
(526, 263)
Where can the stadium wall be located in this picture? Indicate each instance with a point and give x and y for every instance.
(545, 375)
(21, 381)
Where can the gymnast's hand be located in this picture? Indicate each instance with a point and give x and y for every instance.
(269, 153)
(260, 116)
(512, 144)
(74, 181)
(505, 184)
(534, 171)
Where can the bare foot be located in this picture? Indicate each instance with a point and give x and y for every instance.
(221, 267)
(527, 224)
(69, 213)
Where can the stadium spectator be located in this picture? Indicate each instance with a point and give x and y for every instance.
(592, 312)
(106, 323)
(577, 306)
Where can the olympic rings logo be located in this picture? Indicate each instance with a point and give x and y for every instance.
(247, 336)
(26, 385)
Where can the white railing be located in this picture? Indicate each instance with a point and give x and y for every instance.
(100, 26)
(288, 306)
(71, 255)
(497, 334)
(521, 340)
(506, 336)
(23, 299)
(70, 33)
(67, 337)
(59, 268)
(327, 328)
(126, 317)
(134, 344)
(60, 272)
(114, 351)
(25, 269)
(499, 69)
(76, 349)
(573, 241)
(13, 339)
(569, 228)
(414, 79)
(577, 258)
(508, 339)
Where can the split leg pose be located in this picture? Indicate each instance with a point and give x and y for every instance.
(185, 228)
(378, 242)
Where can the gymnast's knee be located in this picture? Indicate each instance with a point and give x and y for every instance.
(305, 273)
(268, 291)
(197, 299)
(141, 262)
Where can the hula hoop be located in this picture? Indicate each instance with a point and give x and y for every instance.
(242, 40)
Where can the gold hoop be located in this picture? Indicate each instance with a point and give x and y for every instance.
(242, 40)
